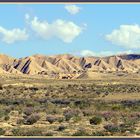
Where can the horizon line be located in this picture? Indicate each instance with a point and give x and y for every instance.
(74, 55)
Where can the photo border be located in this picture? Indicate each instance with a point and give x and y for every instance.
(69, 2)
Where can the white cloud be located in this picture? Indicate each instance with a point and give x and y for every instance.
(27, 17)
(87, 53)
(103, 53)
(67, 31)
(72, 9)
(127, 36)
(126, 52)
(11, 36)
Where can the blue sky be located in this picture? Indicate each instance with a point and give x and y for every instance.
(81, 29)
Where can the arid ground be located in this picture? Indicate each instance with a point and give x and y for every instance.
(36, 106)
(69, 70)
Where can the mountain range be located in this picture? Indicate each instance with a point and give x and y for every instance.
(67, 66)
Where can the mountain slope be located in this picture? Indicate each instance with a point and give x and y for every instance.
(70, 65)
(28, 65)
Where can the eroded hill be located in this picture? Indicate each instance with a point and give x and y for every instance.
(69, 66)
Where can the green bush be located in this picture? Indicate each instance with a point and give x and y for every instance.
(32, 119)
(87, 112)
(61, 128)
(71, 113)
(28, 111)
(82, 104)
(77, 118)
(51, 119)
(100, 133)
(20, 121)
(49, 134)
(2, 132)
(1, 87)
(112, 128)
(81, 132)
(17, 132)
(6, 118)
(95, 120)
(2, 113)
(116, 107)
(129, 126)
(27, 132)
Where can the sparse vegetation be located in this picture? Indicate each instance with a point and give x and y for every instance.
(95, 120)
(27, 132)
(2, 131)
(70, 107)
(6, 118)
(81, 132)
(32, 119)
(112, 128)
(51, 119)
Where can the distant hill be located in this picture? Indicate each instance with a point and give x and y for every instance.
(130, 56)
(68, 66)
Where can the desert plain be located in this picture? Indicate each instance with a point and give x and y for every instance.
(66, 95)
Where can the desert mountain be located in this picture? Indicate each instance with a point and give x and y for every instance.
(28, 65)
(69, 66)
(10, 69)
(4, 59)
(130, 56)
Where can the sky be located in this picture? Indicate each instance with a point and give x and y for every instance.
(78, 29)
